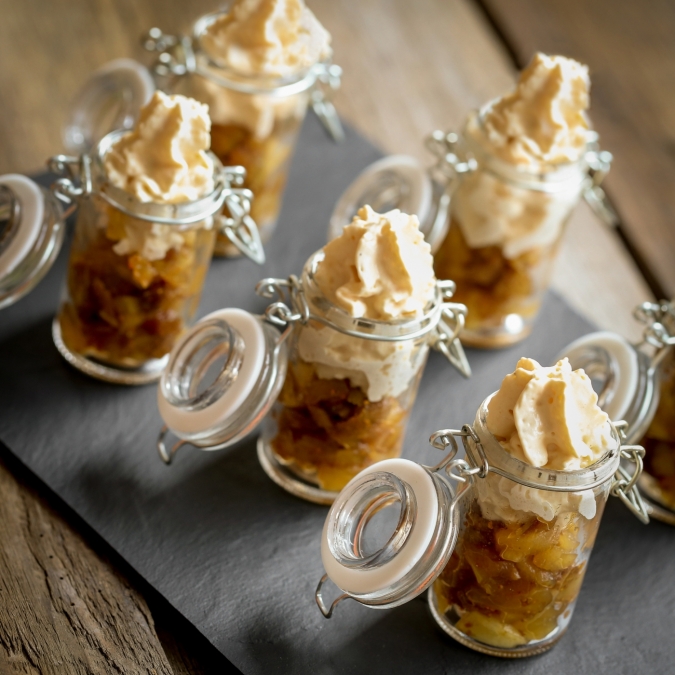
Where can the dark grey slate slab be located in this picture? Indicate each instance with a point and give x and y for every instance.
(240, 558)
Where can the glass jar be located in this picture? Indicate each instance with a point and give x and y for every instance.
(328, 422)
(32, 225)
(504, 228)
(503, 557)
(636, 383)
(255, 121)
(136, 269)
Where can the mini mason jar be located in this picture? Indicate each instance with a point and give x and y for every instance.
(330, 421)
(503, 557)
(136, 269)
(462, 200)
(636, 383)
(255, 119)
(32, 225)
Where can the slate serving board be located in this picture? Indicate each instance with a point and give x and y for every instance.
(237, 556)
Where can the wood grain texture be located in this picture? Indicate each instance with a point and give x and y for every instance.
(62, 609)
(409, 68)
(630, 50)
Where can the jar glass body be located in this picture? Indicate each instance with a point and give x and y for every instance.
(345, 401)
(504, 232)
(256, 129)
(132, 287)
(511, 584)
(657, 482)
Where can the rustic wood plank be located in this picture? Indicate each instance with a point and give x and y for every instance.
(629, 48)
(62, 608)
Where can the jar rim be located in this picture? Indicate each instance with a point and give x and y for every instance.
(504, 464)
(227, 77)
(546, 177)
(180, 213)
(340, 319)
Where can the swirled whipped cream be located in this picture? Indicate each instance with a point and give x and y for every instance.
(274, 38)
(164, 159)
(379, 268)
(548, 418)
(260, 39)
(538, 127)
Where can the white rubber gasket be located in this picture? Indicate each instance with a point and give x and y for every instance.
(417, 203)
(624, 360)
(32, 218)
(359, 581)
(186, 421)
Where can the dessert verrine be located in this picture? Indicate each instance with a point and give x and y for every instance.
(521, 555)
(254, 71)
(507, 215)
(143, 241)
(346, 398)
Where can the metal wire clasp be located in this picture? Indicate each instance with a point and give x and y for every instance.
(624, 484)
(450, 325)
(239, 227)
(475, 464)
(599, 163)
(175, 53)
(76, 179)
(659, 332)
(328, 80)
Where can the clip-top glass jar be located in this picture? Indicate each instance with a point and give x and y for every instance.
(255, 119)
(231, 368)
(502, 580)
(136, 269)
(636, 383)
(31, 234)
(502, 279)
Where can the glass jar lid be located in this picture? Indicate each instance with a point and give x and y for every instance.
(110, 99)
(222, 378)
(31, 234)
(626, 376)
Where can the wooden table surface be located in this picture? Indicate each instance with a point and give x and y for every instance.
(67, 603)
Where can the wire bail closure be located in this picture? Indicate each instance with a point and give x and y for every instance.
(78, 180)
(292, 307)
(452, 164)
(659, 331)
(177, 56)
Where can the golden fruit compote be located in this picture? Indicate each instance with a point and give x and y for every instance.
(659, 441)
(510, 584)
(266, 162)
(125, 310)
(489, 284)
(328, 431)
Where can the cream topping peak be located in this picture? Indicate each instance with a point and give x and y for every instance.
(379, 268)
(276, 38)
(164, 158)
(549, 417)
(543, 121)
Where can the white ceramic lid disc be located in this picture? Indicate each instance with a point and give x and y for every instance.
(394, 182)
(109, 100)
(32, 206)
(624, 362)
(361, 581)
(183, 420)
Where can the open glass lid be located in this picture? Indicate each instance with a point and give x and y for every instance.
(222, 378)
(394, 182)
(31, 235)
(110, 99)
(626, 376)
